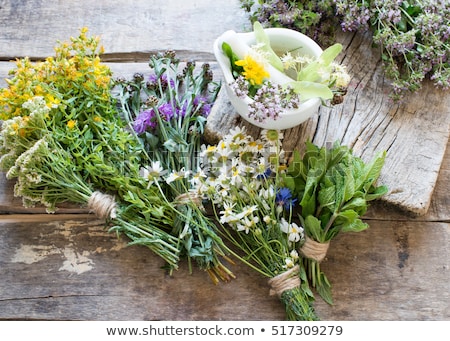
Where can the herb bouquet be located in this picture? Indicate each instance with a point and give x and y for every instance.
(255, 212)
(62, 140)
(167, 113)
(53, 164)
(333, 188)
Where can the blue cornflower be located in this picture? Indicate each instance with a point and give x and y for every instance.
(266, 174)
(284, 199)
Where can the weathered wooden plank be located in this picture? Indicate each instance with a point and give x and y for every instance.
(414, 132)
(439, 210)
(69, 268)
(31, 27)
(73, 269)
(392, 271)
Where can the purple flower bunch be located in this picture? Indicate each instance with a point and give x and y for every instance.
(413, 35)
(268, 101)
(147, 119)
(312, 18)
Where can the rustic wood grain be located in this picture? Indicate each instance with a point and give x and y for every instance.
(414, 132)
(439, 210)
(131, 27)
(69, 268)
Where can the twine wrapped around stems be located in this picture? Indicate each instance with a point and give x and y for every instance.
(284, 281)
(188, 197)
(314, 250)
(103, 205)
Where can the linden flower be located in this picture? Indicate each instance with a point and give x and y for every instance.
(288, 61)
(341, 76)
(254, 72)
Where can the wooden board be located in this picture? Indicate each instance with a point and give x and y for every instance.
(69, 268)
(128, 29)
(414, 132)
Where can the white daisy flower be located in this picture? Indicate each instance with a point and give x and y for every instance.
(293, 231)
(174, 176)
(152, 173)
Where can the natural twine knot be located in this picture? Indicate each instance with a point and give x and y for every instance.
(103, 205)
(188, 197)
(314, 250)
(284, 281)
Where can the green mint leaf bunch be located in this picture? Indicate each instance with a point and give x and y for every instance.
(334, 188)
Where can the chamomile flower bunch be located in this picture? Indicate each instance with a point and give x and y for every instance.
(255, 211)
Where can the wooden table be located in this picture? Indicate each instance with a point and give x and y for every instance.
(67, 267)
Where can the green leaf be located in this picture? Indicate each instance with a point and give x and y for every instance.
(308, 201)
(324, 289)
(349, 185)
(236, 69)
(339, 196)
(263, 39)
(330, 54)
(309, 73)
(313, 228)
(327, 196)
(226, 48)
(356, 226)
(377, 193)
(373, 170)
(357, 204)
(289, 182)
(347, 215)
(308, 90)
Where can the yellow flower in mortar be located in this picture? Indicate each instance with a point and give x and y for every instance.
(254, 72)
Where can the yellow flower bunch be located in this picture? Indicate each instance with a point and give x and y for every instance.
(254, 71)
(63, 79)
